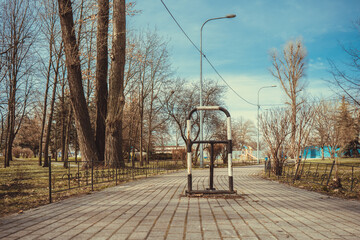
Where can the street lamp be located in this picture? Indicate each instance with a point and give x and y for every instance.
(258, 108)
(201, 101)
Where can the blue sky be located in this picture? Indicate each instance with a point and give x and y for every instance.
(239, 47)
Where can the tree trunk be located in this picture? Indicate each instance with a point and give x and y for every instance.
(45, 103)
(293, 128)
(76, 148)
(51, 114)
(82, 119)
(67, 137)
(141, 135)
(55, 142)
(11, 120)
(2, 131)
(113, 147)
(62, 120)
(101, 75)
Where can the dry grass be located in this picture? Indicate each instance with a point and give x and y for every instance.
(25, 185)
(311, 177)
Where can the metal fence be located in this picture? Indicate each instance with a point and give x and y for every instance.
(78, 174)
(321, 174)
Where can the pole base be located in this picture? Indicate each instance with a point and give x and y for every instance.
(189, 182)
(231, 184)
(209, 192)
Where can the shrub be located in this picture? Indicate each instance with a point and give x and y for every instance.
(16, 151)
(27, 153)
(22, 152)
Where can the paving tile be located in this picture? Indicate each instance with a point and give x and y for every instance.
(152, 208)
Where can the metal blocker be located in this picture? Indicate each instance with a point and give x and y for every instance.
(211, 189)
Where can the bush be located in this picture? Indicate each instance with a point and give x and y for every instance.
(16, 151)
(22, 152)
(27, 153)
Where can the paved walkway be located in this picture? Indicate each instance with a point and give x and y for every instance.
(154, 209)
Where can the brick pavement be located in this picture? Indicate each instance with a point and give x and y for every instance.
(153, 208)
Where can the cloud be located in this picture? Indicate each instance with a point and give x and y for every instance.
(317, 64)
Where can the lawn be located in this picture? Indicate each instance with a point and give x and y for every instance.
(341, 179)
(25, 184)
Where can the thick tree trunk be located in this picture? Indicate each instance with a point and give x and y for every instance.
(9, 138)
(11, 121)
(101, 75)
(82, 119)
(113, 147)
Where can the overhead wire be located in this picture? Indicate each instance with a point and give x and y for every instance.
(217, 72)
(212, 66)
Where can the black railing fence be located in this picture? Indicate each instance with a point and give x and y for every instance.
(78, 174)
(323, 174)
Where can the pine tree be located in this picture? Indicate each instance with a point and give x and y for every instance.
(349, 133)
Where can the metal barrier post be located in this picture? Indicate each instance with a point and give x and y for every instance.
(189, 143)
(189, 157)
(230, 170)
(211, 179)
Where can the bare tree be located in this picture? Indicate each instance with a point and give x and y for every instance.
(82, 119)
(184, 97)
(289, 69)
(49, 30)
(243, 133)
(304, 127)
(276, 129)
(19, 34)
(346, 76)
(320, 126)
(57, 67)
(349, 130)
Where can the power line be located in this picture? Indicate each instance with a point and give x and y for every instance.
(212, 66)
(177, 23)
(227, 83)
(219, 75)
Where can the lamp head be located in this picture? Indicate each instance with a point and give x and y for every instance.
(230, 16)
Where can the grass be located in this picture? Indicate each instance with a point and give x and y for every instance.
(25, 184)
(315, 175)
(352, 161)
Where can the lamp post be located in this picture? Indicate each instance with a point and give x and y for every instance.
(258, 129)
(201, 101)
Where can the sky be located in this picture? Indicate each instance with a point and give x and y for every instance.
(239, 47)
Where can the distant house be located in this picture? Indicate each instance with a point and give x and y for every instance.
(311, 152)
(167, 149)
